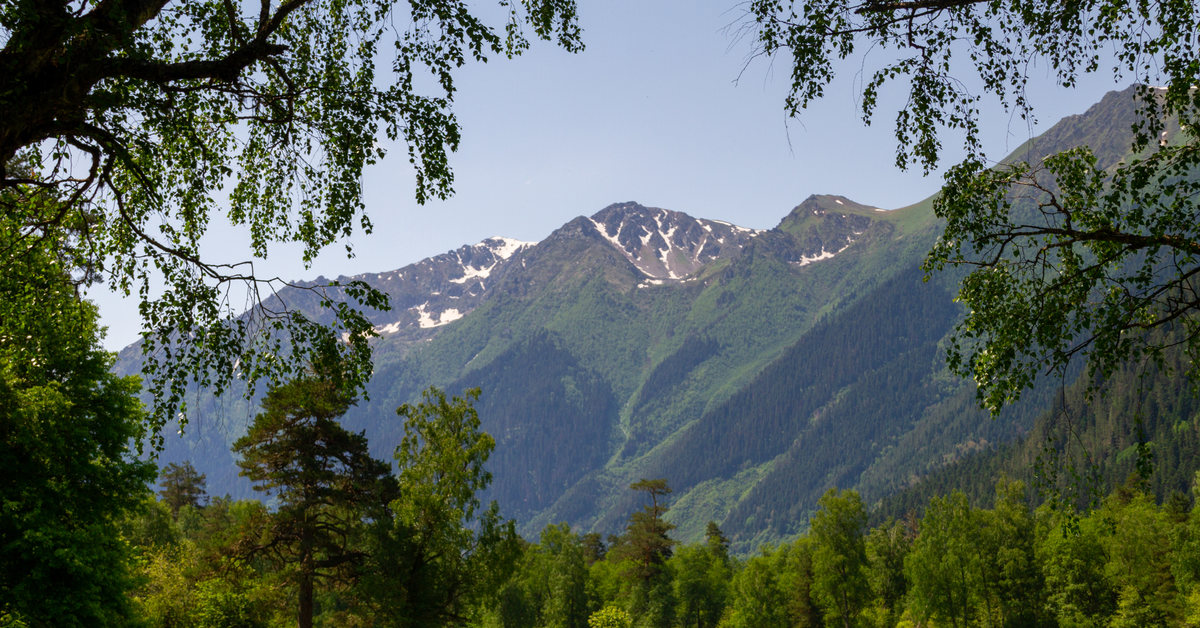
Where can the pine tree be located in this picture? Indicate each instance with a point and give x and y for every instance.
(646, 547)
(325, 483)
(181, 486)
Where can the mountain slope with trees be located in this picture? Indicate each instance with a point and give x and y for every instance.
(788, 362)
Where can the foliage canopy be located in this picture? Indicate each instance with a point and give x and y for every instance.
(1087, 256)
(65, 425)
(155, 116)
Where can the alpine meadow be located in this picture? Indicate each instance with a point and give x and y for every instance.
(978, 409)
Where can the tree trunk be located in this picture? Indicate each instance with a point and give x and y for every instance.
(305, 616)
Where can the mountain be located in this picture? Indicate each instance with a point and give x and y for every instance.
(752, 369)
(433, 292)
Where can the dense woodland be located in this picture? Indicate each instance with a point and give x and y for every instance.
(1127, 562)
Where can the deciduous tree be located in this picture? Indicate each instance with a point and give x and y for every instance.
(1072, 559)
(550, 587)
(887, 545)
(775, 589)
(67, 478)
(701, 575)
(440, 554)
(1071, 254)
(942, 568)
(143, 120)
(840, 556)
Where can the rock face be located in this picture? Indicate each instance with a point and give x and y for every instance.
(664, 246)
(668, 245)
(440, 290)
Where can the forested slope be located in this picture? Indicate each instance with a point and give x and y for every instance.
(751, 369)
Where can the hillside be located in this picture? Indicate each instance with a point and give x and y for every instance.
(751, 369)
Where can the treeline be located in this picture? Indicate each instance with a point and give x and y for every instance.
(1128, 562)
(344, 540)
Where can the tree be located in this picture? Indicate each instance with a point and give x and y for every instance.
(942, 568)
(1089, 252)
(646, 547)
(840, 556)
(1185, 547)
(440, 554)
(886, 546)
(1138, 547)
(181, 486)
(550, 587)
(150, 112)
(1013, 585)
(610, 617)
(1073, 560)
(324, 480)
(593, 547)
(701, 575)
(199, 580)
(67, 478)
(701, 579)
(645, 541)
(757, 599)
(774, 589)
(717, 542)
(562, 572)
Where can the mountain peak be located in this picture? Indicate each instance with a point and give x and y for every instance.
(1106, 128)
(439, 290)
(503, 247)
(665, 244)
(818, 204)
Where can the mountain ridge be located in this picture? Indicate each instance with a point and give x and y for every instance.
(753, 369)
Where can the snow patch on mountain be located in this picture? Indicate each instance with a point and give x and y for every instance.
(604, 233)
(667, 245)
(441, 289)
(427, 319)
(805, 260)
(504, 248)
(480, 265)
(390, 328)
(472, 272)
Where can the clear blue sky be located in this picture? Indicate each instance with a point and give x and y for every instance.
(661, 108)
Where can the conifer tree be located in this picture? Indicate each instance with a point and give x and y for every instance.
(182, 486)
(646, 547)
(323, 479)
(645, 541)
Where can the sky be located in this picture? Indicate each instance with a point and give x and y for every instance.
(666, 106)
